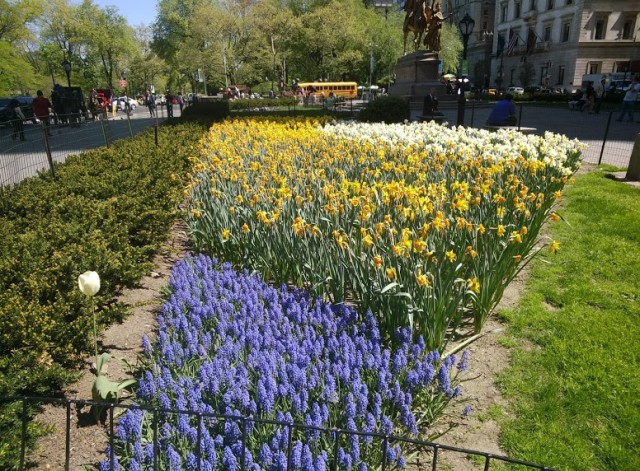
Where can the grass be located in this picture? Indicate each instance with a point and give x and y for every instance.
(575, 394)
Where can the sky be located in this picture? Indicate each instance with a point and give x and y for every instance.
(135, 11)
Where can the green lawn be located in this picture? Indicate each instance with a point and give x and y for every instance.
(574, 382)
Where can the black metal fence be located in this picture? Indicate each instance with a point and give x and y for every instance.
(429, 454)
(36, 146)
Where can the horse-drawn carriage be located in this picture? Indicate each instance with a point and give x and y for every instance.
(99, 102)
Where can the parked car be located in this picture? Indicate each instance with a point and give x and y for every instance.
(25, 106)
(532, 89)
(515, 90)
(133, 104)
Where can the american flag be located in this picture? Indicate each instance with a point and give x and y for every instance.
(513, 41)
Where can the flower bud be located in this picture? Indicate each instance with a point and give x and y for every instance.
(89, 283)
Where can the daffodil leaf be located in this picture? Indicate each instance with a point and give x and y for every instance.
(390, 286)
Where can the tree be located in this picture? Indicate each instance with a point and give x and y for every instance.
(526, 74)
(16, 62)
(451, 50)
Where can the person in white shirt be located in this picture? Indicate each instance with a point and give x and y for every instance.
(629, 100)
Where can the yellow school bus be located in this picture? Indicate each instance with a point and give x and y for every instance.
(343, 89)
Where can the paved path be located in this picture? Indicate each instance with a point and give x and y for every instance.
(23, 159)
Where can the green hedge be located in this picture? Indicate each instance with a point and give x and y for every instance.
(387, 109)
(108, 211)
(261, 103)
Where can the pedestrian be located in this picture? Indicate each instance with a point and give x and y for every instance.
(180, 102)
(590, 95)
(601, 91)
(151, 103)
(16, 117)
(503, 113)
(169, 98)
(430, 103)
(41, 108)
(629, 100)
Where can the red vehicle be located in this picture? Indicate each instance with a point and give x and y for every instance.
(99, 101)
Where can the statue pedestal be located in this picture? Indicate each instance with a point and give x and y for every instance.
(416, 74)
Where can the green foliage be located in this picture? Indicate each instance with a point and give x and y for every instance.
(108, 211)
(451, 48)
(388, 109)
(573, 385)
(206, 111)
(527, 74)
(252, 104)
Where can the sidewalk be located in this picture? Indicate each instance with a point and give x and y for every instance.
(588, 128)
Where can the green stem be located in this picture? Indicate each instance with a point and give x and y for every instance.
(95, 330)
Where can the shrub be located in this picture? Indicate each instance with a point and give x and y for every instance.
(229, 344)
(262, 103)
(108, 210)
(388, 109)
(206, 111)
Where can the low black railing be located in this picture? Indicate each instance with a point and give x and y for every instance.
(434, 448)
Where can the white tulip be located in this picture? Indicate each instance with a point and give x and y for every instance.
(89, 283)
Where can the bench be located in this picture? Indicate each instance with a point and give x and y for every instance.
(437, 117)
(522, 129)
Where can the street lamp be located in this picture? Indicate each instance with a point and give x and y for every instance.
(66, 65)
(465, 25)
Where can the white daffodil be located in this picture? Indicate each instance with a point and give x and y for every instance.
(89, 283)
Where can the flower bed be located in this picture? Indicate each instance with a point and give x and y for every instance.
(230, 344)
(422, 224)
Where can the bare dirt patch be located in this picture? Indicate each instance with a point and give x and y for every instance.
(88, 438)
(477, 431)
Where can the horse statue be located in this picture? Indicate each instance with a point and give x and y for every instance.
(416, 19)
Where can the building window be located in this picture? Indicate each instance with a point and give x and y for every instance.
(549, 4)
(594, 67)
(569, 2)
(547, 33)
(503, 13)
(600, 28)
(627, 29)
(561, 70)
(517, 13)
(533, 5)
(566, 28)
(485, 12)
(621, 66)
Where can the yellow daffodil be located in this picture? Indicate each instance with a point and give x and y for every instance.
(473, 284)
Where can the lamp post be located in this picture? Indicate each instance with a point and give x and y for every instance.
(465, 25)
(66, 65)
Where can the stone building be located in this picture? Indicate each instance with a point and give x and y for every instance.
(551, 43)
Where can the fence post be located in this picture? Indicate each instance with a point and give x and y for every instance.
(604, 139)
(633, 171)
(334, 464)
(473, 112)
(128, 111)
(520, 117)
(47, 148)
(155, 132)
(385, 448)
(23, 446)
(104, 132)
(67, 451)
